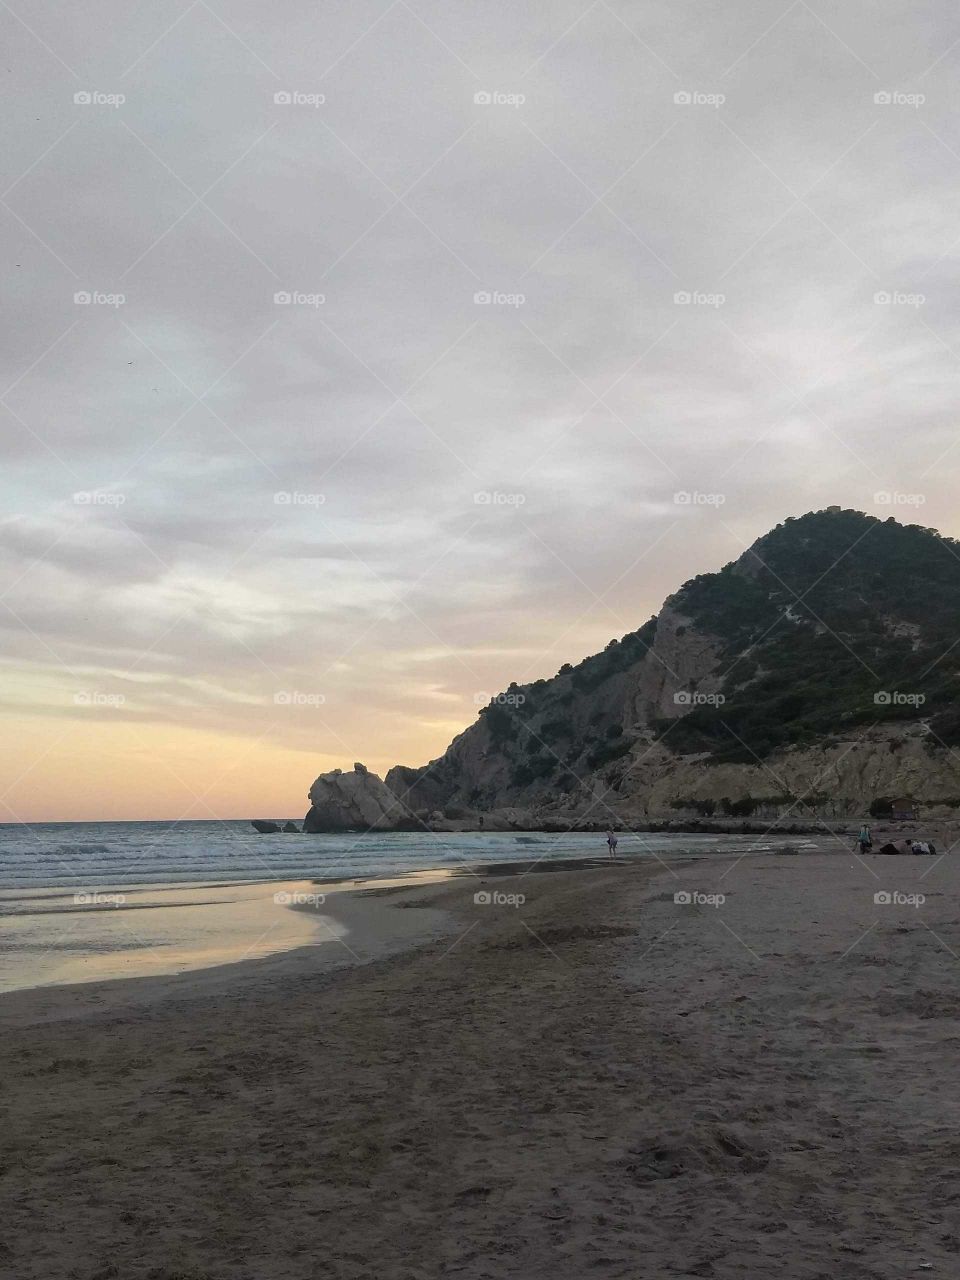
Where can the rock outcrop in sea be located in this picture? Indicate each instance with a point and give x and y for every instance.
(357, 800)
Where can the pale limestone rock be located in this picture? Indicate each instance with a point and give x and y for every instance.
(358, 800)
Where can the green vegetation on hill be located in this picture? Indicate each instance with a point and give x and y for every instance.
(838, 619)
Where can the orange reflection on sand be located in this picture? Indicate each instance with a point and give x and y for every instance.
(54, 939)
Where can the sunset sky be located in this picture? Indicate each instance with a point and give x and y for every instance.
(245, 539)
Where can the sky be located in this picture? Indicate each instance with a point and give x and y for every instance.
(362, 357)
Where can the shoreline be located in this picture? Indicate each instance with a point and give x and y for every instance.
(167, 932)
(90, 876)
(370, 932)
(364, 908)
(193, 932)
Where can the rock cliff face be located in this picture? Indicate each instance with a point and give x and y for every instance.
(814, 674)
(357, 800)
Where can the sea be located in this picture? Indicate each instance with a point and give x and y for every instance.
(89, 902)
(127, 855)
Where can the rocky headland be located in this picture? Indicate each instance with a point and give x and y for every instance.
(813, 679)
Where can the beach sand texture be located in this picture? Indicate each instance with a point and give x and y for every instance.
(603, 1081)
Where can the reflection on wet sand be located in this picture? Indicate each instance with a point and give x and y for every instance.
(53, 937)
(58, 938)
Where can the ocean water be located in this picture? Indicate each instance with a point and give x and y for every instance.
(128, 855)
(85, 902)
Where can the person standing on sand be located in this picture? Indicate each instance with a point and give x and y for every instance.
(864, 839)
(612, 844)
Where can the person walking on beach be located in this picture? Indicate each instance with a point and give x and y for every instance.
(864, 839)
(612, 843)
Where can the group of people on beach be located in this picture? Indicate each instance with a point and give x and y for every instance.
(906, 845)
(864, 843)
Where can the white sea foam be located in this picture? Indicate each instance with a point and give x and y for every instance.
(86, 856)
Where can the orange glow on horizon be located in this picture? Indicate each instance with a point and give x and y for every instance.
(72, 771)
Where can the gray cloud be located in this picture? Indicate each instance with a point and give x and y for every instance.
(382, 412)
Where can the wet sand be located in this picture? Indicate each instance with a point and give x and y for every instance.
(721, 1070)
(61, 937)
(96, 935)
(323, 928)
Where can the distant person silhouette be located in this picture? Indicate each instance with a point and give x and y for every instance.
(612, 844)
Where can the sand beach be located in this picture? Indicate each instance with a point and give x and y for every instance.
(698, 1069)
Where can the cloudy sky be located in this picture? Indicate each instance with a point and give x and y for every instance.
(362, 356)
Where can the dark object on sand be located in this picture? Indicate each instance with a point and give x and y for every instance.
(889, 848)
(291, 829)
(265, 828)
